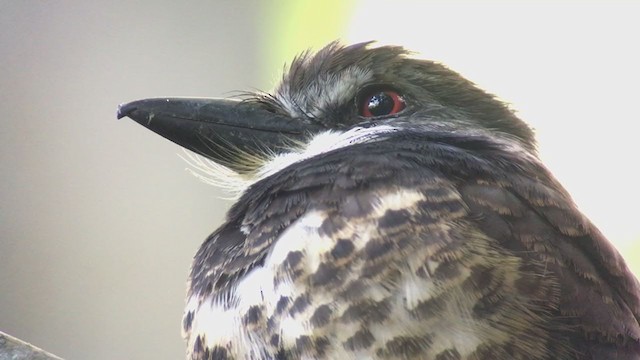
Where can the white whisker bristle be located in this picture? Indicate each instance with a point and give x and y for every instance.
(215, 174)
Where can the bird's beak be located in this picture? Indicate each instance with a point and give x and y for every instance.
(221, 130)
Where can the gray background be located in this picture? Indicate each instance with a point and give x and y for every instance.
(98, 220)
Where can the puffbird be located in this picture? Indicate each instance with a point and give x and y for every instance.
(388, 208)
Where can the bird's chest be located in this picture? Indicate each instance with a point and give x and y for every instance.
(376, 287)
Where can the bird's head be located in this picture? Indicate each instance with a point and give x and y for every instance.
(327, 100)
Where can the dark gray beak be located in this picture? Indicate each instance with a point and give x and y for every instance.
(218, 129)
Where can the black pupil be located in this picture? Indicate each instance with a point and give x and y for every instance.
(380, 104)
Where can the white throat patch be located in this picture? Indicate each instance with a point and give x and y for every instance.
(320, 144)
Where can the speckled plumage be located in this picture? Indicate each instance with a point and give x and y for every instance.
(435, 233)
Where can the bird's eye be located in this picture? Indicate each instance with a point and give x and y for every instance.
(381, 103)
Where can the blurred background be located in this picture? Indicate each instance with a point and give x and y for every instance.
(99, 220)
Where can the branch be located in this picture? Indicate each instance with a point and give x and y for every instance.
(16, 349)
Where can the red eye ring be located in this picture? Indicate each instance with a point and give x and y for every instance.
(381, 103)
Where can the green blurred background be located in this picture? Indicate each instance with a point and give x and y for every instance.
(98, 220)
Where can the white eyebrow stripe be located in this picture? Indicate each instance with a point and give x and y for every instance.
(334, 89)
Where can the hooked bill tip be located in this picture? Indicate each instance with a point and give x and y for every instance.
(125, 109)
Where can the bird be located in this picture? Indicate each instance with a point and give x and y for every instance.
(388, 208)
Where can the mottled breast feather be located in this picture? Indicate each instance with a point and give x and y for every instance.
(420, 245)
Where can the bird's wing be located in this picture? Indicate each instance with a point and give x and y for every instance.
(598, 299)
